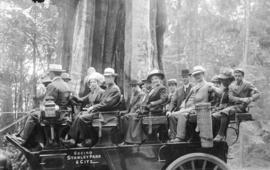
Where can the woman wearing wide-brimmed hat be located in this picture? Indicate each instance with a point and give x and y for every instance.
(80, 132)
(157, 100)
(109, 101)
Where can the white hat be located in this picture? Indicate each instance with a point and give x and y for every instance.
(197, 69)
(95, 76)
(56, 68)
(109, 72)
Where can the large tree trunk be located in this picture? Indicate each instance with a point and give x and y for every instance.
(107, 34)
(82, 44)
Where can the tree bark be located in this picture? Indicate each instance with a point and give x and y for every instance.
(100, 40)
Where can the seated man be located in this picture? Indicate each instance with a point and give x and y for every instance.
(198, 94)
(176, 101)
(81, 129)
(240, 94)
(172, 84)
(60, 93)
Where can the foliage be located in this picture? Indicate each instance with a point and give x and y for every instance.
(28, 32)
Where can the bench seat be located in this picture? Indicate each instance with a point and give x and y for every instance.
(154, 120)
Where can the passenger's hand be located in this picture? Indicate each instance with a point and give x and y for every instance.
(168, 114)
(149, 105)
(246, 100)
(90, 109)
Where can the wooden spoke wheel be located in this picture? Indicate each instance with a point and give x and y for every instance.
(198, 161)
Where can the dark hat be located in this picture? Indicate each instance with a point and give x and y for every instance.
(134, 82)
(144, 81)
(65, 76)
(185, 72)
(155, 72)
(172, 82)
(215, 79)
(239, 70)
(226, 74)
(46, 80)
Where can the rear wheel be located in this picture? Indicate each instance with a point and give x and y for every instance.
(198, 161)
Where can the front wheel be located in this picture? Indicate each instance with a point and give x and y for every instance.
(198, 161)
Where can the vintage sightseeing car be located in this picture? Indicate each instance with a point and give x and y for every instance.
(108, 155)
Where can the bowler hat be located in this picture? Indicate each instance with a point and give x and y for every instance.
(197, 70)
(185, 72)
(56, 68)
(109, 72)
(155, 72)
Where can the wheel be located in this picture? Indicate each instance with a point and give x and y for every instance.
(198, 161)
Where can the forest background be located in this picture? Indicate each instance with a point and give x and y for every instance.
(212, 33)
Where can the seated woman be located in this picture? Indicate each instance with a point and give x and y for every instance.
(81, 129)
(132, 123)
(81, 132)
(156, 100)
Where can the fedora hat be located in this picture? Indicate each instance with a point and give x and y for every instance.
(56, 68)
(155, 72)
(185, 72)
(46, 80)
(239, 70)
(227, 74)
(215, 79)
(197, 70)
(65, 76)
(109, 72)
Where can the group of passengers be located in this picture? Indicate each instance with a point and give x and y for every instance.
(227, 92)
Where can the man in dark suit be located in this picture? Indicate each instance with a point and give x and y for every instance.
(176, 101)
(241, 94)
(59, 91)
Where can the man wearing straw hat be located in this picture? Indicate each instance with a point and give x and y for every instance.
(59, 91)
(198, 94)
